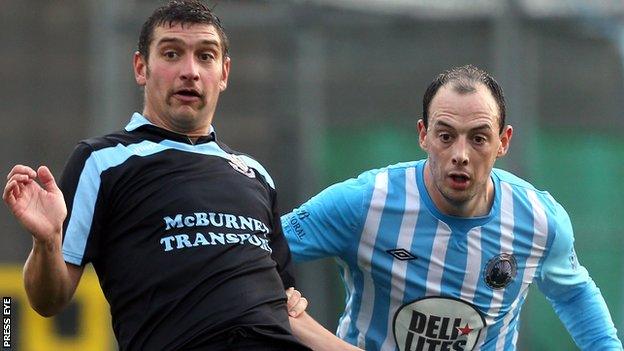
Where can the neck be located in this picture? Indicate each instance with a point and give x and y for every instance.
(192, 133)
(474, 206)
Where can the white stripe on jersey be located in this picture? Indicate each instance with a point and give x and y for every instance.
(399, 268)
(345, 321)
(365, 254)
(506, 241)
(436, 261)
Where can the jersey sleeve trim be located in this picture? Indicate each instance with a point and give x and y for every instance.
(79, 225)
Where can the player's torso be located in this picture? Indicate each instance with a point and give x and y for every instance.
(185, 231)
(444, 284)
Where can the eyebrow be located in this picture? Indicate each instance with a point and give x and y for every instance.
(167, 40)
(478, 127)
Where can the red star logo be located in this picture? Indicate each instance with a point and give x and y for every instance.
(465, 330)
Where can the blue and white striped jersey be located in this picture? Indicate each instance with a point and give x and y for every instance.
(417, 279)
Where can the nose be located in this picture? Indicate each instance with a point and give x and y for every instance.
(189, 69)
(460, 152)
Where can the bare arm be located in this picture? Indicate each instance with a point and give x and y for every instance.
(315, 336)
(49, 281)
(309, 331)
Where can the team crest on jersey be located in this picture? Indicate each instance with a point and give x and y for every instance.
(500, 271)
(238, 164)
(437, 323)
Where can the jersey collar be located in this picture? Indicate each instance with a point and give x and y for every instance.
(139, 121)
(460, 222)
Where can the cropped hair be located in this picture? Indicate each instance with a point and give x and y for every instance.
(464, 80)
(181, 12)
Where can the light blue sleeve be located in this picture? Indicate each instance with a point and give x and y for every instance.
(573, 294)
(327, 224)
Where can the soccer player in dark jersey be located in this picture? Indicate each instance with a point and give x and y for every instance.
(183, 232)
(438, 254)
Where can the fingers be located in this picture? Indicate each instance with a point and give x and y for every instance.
(21, 169)
(11, 191)
(47, 179)
(292, 300)
(296, 303)
(14, 186)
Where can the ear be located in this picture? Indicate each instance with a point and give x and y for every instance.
(140, 69)
(225, 73)
(422, 134)
(505, 139)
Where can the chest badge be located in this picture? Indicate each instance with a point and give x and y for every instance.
(238, 164)
(500, 271)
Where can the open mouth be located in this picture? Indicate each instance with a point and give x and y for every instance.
(459, 180)
(188, 93)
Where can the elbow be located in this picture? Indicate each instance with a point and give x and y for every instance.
(45, 313)
(45, 303)
(46, 309)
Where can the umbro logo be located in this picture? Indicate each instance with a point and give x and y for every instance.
(401, 254)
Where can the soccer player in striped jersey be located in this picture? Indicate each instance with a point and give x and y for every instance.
(439, 254)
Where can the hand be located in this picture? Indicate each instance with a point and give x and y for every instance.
(296, 303)
(41, 210)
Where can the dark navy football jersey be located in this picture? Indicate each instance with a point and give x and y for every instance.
(185, 237)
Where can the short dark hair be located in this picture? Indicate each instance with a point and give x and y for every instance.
(464, 80)
(180, 12)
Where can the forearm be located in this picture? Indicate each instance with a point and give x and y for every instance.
(584, 313)
(46, 278)
(316, 337)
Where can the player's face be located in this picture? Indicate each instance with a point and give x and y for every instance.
(183, 77)
(462, 143)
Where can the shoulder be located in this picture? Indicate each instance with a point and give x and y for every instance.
(360, 188)
(511, 179)
(389, 172)
(86, 148)
(527, 192)
(121, 137)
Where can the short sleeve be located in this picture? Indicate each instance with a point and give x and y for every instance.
(327, 224)
(80, 184)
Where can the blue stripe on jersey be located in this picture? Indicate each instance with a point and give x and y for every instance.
(99, 161)
(455, 264)
(213, 149)
(423, 244)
